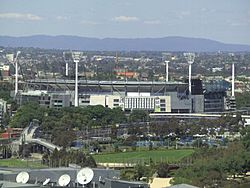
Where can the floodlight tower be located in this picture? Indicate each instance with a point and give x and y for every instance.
(233, 76)
(76, 58)
(66, 64)
(190, 59)
(166, 58)
(16, 74)
(166, 61)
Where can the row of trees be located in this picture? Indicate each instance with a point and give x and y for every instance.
(191, 127)
(90, 116)
(64, 158)
(64, 124)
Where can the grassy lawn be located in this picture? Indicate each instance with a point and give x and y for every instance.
(19, 163)
(143, 156)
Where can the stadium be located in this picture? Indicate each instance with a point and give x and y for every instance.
(170, 97)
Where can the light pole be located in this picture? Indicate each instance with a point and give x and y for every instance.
(66, 56)
(166, 61)
(16, 78)
(76, 58)
(13, 60)
(167, 57)
(233, 71)
(190, 59)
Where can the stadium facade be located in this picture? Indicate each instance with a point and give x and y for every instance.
(170, 97)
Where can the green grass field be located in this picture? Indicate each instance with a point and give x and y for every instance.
(18, 163)
(170, 156)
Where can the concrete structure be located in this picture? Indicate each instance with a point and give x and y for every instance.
(183, 186)
(215, 94)
(152, 96)
(205, 96)
(5, 72)
(31, 135)
(46, 99)
(103, 178)
(160, 182)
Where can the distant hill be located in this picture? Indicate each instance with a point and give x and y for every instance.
(113, 44)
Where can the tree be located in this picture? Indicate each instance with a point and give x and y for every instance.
(163, 170)
(63, 158)
(212, 167)
(5, 89)
(139, 115)
(26, 113)
(242, 100)
(246, 138)
(142, 171)
(63, 136)
(150, 146)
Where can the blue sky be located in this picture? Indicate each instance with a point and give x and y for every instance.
(223, 20)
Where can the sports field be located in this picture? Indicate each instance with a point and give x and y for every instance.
(19, 163)
(170, 156)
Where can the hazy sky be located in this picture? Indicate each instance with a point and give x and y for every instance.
(222, 20)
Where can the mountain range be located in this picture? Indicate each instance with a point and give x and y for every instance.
(121, 44)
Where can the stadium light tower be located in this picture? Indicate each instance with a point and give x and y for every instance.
(13, 60)
(167, 58)
(67, 57)
(16, 76)
(233, 75)
(190, 59)
(166, 61)
(76, 58)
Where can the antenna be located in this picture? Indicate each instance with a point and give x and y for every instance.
(76, 58)
(64, 180)
(85, 176)
(22, 177)
(190, 59)
(46, 181)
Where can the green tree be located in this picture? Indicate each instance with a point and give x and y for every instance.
(139, 115)
(26, 113)
(242, 100)
(142, 171)
(163, 170)
(63, 136)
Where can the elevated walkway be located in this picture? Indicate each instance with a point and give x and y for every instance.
(44, 143)
(29, 135)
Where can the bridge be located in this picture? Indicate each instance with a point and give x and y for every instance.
(44, 143)
(29, 135)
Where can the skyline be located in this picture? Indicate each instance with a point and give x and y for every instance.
(225, 21)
